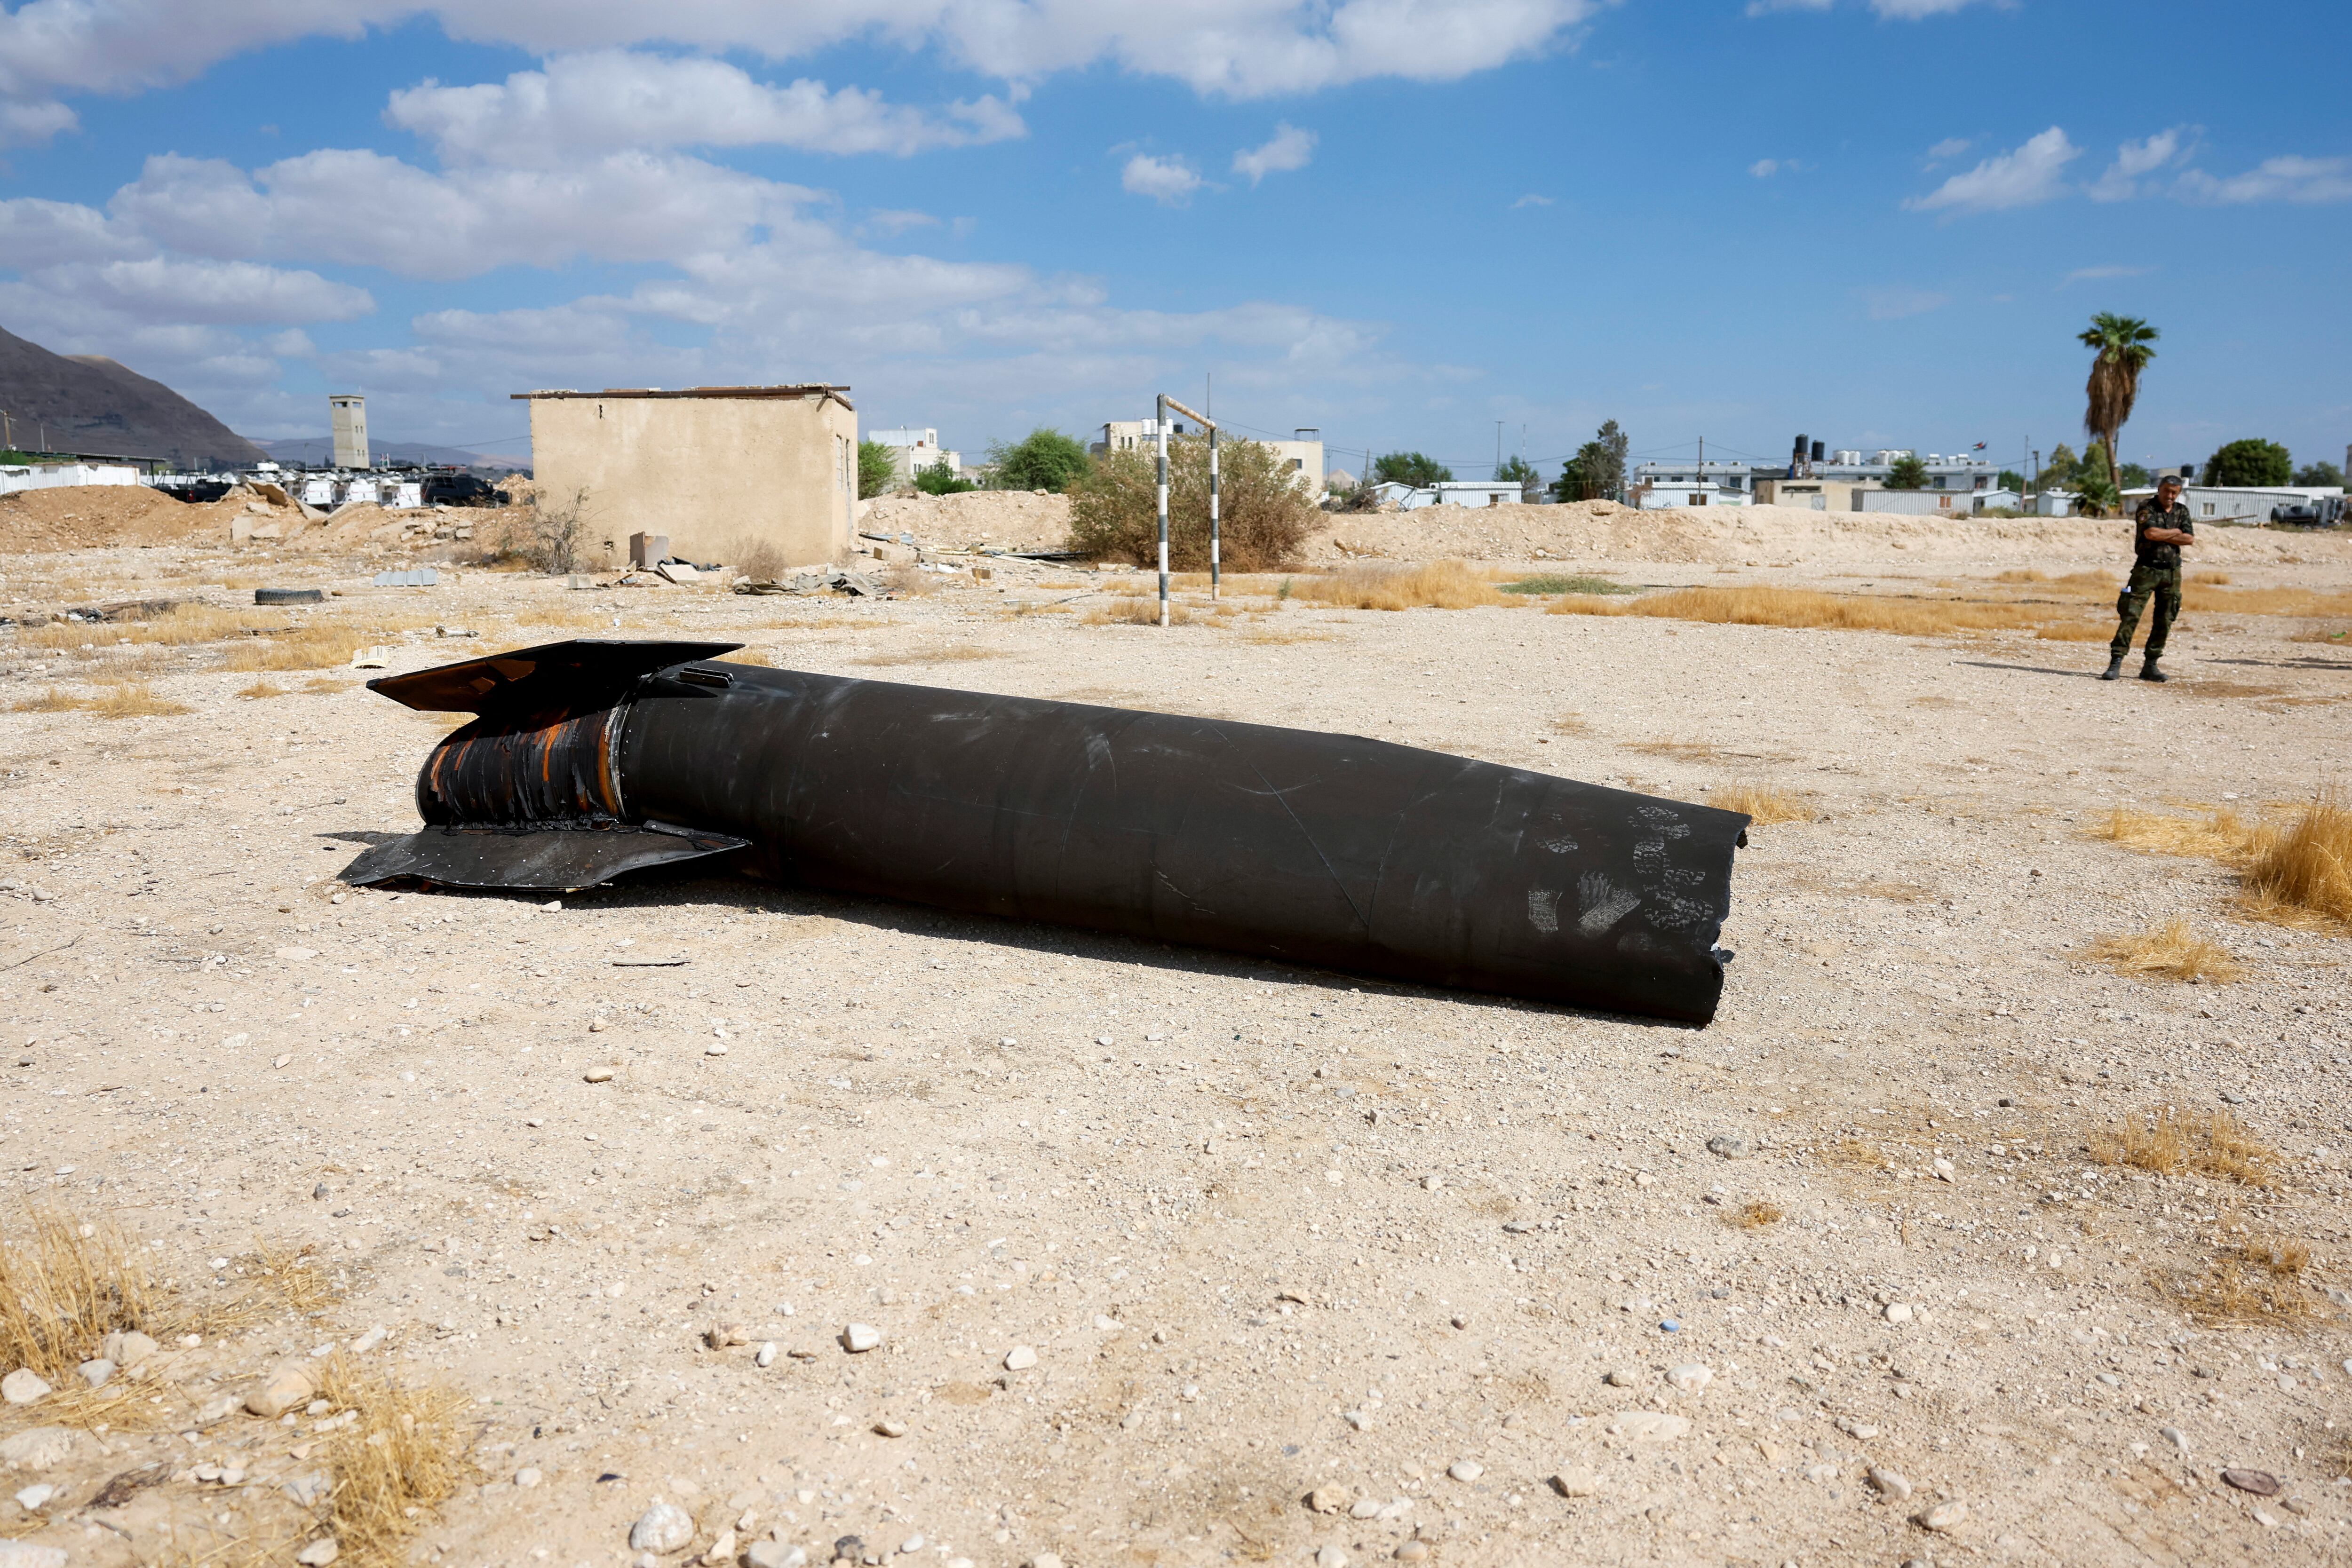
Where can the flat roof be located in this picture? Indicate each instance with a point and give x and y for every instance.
(805, 390)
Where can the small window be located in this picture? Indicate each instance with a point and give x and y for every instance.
(2205, 510)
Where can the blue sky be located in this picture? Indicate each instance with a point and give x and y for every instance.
(1879, 222)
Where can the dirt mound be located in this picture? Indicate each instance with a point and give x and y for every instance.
(1603, 531)
(93, 517)
(1018, 519)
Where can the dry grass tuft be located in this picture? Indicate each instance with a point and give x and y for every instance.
(319, 646)
(2236, 1289)
(55, 699)
(2168, 1145)
(1805, 608)
(1766, 806)
(950, 652)
(2171, 951)
(1440, 585)
(758, 657)
(1556, 582)
(2220, 835)
(64, 1285)
(405, 1455)
(2209, 578)
(289, 1270)
(1681, 750)
(1755, 1215)
(1571, 723)
(2306, 867)
(1138, 610)
(262, 689)
(133, 699)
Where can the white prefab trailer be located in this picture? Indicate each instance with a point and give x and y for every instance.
(1665, 498)
(1916, 503)
(56, 475)
(2239, 503)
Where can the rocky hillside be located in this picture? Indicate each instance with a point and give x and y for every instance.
(88, 404)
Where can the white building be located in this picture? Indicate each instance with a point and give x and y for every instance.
(2239, 503)
(1957, 473)
(1449, 493)
(56, 475)
(912, 450)
(1667, 496)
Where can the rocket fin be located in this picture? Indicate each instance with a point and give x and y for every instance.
(578, 676)
(539, 860)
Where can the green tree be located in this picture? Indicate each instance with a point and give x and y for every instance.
(1906, 473)
(2058, 472)
(2322, 473)
(877, 465)
(940, 479)
(2253, 461)
(1519, 471)
(2094, 495)
(2011, 479)
(1597, 472)
(1571, 484)
(2134, 475)
(1263, 516)
(2120, 351)
(1041, 460)
(1409, 468)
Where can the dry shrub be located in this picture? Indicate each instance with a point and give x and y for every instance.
(262, 689)
(2222, 835)
(2169, 1144)
(911, 582)
(2306, 867)
(1441, 585)
(55, 699)
(1550, 582)
(1681, 750)
(288, 1270)
(2264, 602)
(2209, 578)
(133, 699)
(315, 647)
(405, 1455)
(1137, 610)
(1755, 1215)
(1570, 723)
(1805, 608)
(64, 1285)
(944, 653)
(2171, 951)
(1765, 806)
(1858, 1153)
(2235, 1288)
(1263, 516)
(759, 559)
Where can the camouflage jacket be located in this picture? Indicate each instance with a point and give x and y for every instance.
(2158, 552)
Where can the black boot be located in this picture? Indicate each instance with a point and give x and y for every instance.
(2148, 671)
(2115, 669)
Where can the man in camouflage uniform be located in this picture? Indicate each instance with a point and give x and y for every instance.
(2160, 527)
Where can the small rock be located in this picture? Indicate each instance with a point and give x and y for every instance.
(289, 1385)
(885, 1427)
(25, 1387)
(598, 1075)
(1943, 1169)
(1328, 1499)
(720, 1336)
(1945, 1516)
(127, 1350)
(1648, 1426)
(1860, 1431)
(1726, 1145)
(715, 1047)
(767, 1354)
(663, 1527)
(1465, 1469)
(1898, 1312)
(1889, 1484)
(776, 1554)
(38, 1449)
(1690, 1376)
(34, 1498)
(722, 1548)
(1621, 1377)
(910, 1546)
(528, 1477)
(1049, 1559)
(2178, 1439)
(1364, 1508)
(2261, 1483)
(1020, 1358)
(319, 1552)
(859, 1338)
(26, 1555)
(1576, 1481)
(370, 1340)
(96, 1373)
(1412, 1551)
(1330, 1557)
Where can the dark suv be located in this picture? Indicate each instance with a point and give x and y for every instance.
(460, 490)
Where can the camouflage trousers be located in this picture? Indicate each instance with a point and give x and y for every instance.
(2161, 583)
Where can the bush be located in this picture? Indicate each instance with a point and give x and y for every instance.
(940, 479)
(551, 534)
(1264, 515)
(2253, 461)
(877, 467)
(1906, 473)
(1409, 468)
(1041, 460)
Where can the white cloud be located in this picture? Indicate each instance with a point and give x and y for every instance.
(50, 50)
(1895, 304)
(212, 293)
(1764, 168)
(1289, 149)
(1949, 147)
(1766, 7)
(610, 99)
(2094, 274)
(2032, 173)
(2120, 182)
(2287, 179)
(35, 232)
(1918, 10)
(1531, 200)
(1171, 181)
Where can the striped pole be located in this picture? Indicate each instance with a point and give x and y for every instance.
(1161, 427)
(1214, 579)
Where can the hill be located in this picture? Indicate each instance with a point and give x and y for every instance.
(88, 404)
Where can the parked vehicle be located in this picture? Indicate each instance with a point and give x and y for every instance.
(461, 490)
(2319, 512)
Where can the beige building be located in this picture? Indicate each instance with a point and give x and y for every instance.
(1819, 495)
(1301, 458)
(723, 471)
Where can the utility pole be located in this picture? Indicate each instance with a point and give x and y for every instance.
(1498, 449)
(1159, 429)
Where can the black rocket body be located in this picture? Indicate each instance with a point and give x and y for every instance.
(591, 759)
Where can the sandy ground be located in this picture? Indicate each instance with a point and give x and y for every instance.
(1160, 1243)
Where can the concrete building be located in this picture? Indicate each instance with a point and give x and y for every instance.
(1302, 455)
(913, 449)
(1451, 493)
(17, 476)
(1302, 458)
(1667, 496)
(1819, 494)
(350, 414)
(723, 471)
(1957, 472)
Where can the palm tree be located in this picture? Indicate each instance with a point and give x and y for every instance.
(2122, 342)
